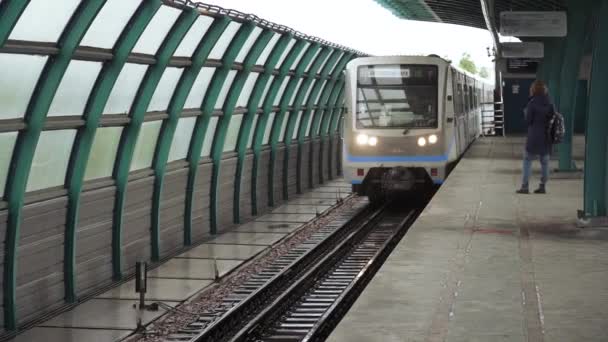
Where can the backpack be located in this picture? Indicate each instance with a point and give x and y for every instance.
(555, 127)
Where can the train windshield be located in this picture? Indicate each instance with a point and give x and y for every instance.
(397, 96)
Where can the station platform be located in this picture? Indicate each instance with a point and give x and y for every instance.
(483, 263)
(111, 316)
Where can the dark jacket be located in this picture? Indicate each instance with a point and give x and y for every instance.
(537, 112)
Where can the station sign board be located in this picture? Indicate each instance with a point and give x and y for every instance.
(523, 50)
(533, 24)
(522, 65)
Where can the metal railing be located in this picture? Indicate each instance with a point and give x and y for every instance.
(492, 119)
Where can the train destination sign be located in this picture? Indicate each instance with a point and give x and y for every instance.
(533, 24)
(524, 49)
(522, 65)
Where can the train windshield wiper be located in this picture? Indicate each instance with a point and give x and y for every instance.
(406, 131)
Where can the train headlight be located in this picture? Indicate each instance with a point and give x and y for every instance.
(362, 139)
(421, 141)
(432, 139)
(373, 141)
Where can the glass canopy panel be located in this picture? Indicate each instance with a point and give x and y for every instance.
(51, 159)
(309, 126)
(297, 125)
(333, 68)
(222, 44)
(233, 132)
(125, 89)
(252, 130)
(265, 92)
(299, 58)
(109, 23)
(284, 126)
(320, 93)
(269, 123)
(313, 60)
(199, 88)
(247, 89)
(209, 136)
(286, 52)
(181, 139)
(146, 145)
(219, 104)
(295, 92)
(277, 98)
(326, 59)
(194, 36)
(253, 36)
(308, 91)
(44, 20)
(75, 87)
(157, 30)
(7, 145)
(103, 153)
(20, 74)
(268, 49)
(164, 89)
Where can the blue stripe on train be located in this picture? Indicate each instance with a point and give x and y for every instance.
(424, 159)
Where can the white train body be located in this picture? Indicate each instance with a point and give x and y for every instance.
(408, 120)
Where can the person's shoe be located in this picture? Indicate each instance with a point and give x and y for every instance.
(523, 191)
(541, 189)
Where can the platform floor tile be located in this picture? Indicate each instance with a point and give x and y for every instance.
(277, 217)
(268, 227)
(262, 239)
(193, 268)
(160, 289)
(300, 209)
(222, 251)
(103, 314)
(71, 335)
(324, 195)
(312, 201)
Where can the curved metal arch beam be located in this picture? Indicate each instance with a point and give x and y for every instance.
(211, 96)
(176, 106)
(329, 64)
(86, 134)
(25, 148)
(10, 12)
(228, 109)
(328, 118)
(131, 132)
(317, 115)
(338, 108)
(267, 110)
(284, 104)
(252, 107)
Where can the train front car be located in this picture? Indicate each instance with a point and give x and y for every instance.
(397, 136)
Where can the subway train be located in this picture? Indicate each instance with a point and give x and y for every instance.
(408, 121)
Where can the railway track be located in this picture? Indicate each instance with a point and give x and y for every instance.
(302, 290)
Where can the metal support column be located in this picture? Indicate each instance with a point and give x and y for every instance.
(578, 14)
(596, 167)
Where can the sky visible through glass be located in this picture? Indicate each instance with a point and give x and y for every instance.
(366, 26)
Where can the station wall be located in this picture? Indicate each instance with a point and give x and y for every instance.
(130, 130)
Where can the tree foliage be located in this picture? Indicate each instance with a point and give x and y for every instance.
(483, 72)
(467, 63)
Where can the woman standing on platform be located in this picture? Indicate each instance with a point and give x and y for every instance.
(537, 113)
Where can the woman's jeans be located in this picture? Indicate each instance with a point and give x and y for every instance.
(544, 163)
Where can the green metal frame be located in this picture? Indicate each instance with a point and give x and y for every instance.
(278, 122)
(10, 11)
(252, 107)
(412, 10)
(293, 53)
(578, 15)
(86, 135)
(338, 110)
(196, 143)
(299, 99)
(596, 161)
(219, 77)
(131, 132)
(27, 142)
(224, 122)
(336, 101)
(176, 106)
